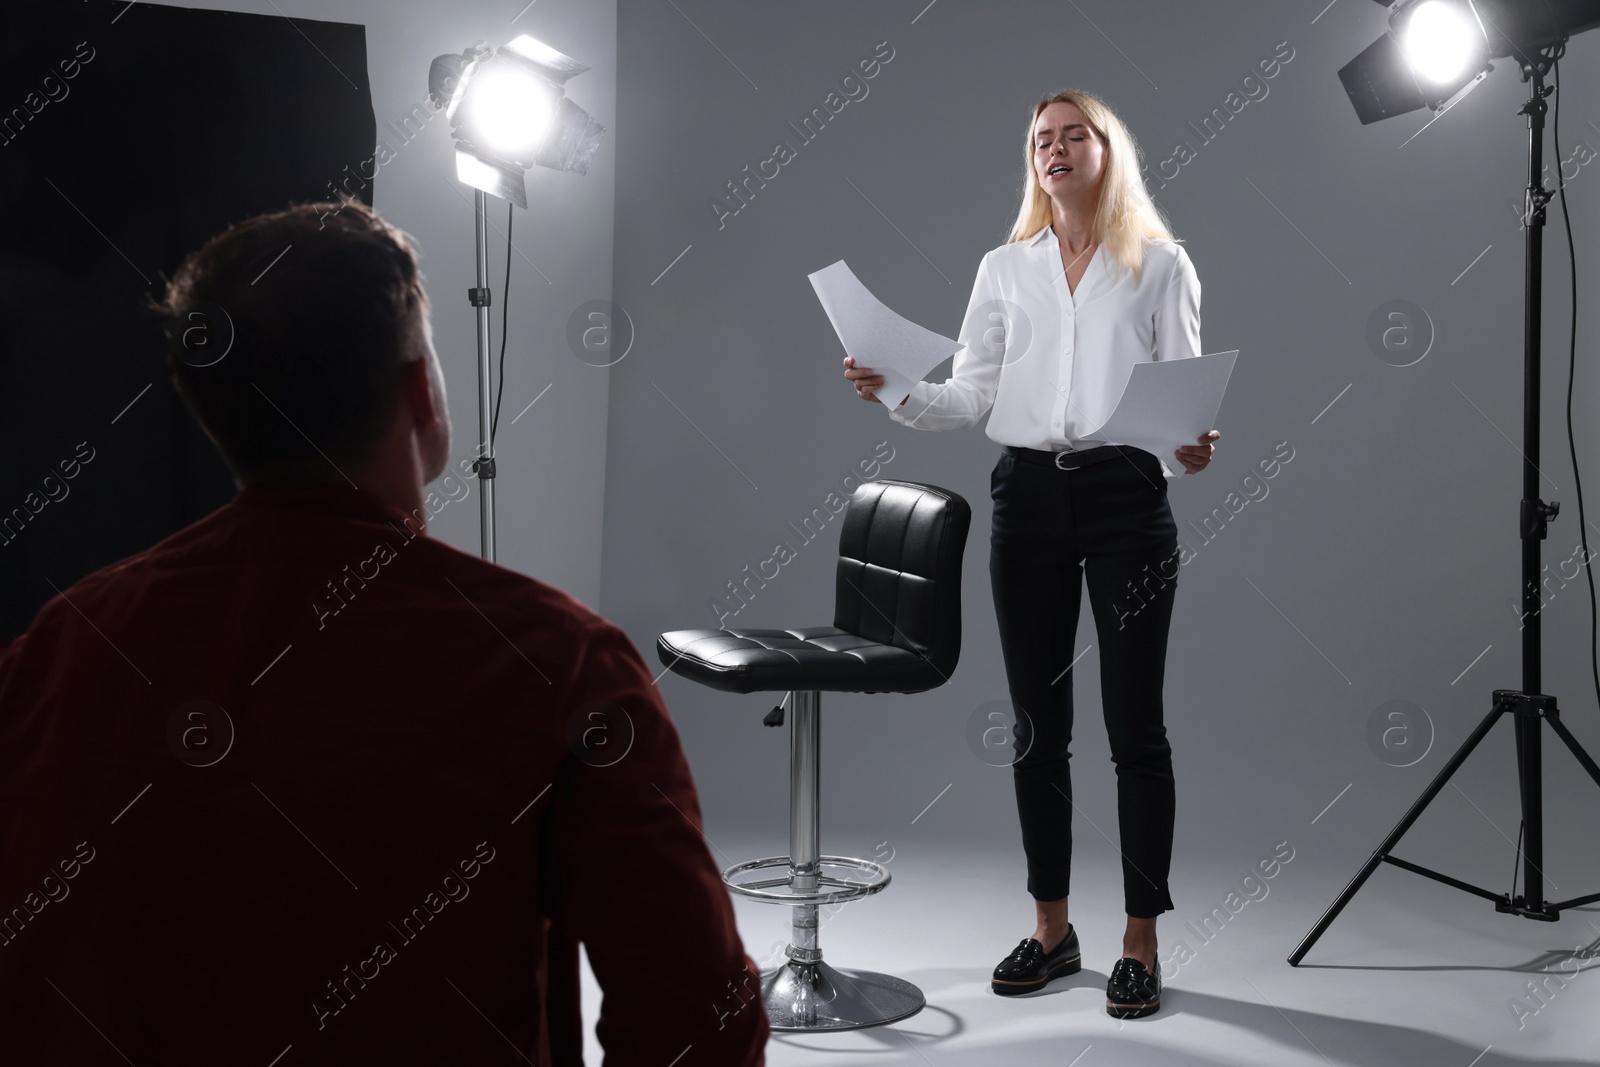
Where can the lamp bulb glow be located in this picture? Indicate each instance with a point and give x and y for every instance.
(511, 110)
(1438, 41)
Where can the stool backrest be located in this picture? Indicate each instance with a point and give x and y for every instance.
(899, 575)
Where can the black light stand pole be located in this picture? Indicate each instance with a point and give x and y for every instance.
(1534, 516)
(1528, 705)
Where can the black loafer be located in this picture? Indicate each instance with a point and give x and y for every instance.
(1030, 967)
(1132, 990)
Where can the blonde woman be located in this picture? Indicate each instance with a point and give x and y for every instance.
(1089, 283)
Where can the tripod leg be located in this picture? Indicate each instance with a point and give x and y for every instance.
(1530, 778)
(1577, 750)
(1377, 857)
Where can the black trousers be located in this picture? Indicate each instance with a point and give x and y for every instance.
(1109, 522)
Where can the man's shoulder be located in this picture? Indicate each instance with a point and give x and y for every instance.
(536, 608)
(481, 581)
(217, 551)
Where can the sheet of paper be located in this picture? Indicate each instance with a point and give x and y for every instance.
(1168, 403)
(894, 347)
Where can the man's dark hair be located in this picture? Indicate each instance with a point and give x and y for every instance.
(288, 332)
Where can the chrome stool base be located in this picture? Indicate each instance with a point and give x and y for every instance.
(805, 994)
(815, 997)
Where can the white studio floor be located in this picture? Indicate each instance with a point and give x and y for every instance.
(1412, 972)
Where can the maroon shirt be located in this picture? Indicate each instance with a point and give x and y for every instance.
(302, 781)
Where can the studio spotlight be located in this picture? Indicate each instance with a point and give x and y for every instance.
(1436, 51)
(508, 110)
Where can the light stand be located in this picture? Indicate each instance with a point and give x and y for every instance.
(481, 296)
(508, 111)
(1530, 708)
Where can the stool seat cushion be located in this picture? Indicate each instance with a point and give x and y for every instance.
(823, 658)
(896, 608)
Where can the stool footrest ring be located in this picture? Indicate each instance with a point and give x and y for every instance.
(829, 888)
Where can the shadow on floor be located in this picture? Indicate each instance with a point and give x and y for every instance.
(1312, 1035)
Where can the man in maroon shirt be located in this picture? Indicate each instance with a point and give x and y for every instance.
(302, 785)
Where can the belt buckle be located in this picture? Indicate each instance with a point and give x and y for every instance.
(1061, 455)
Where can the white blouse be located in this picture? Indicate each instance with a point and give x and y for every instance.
(1025, 329)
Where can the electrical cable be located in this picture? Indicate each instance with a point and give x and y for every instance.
(1572, 363)
(505, 310)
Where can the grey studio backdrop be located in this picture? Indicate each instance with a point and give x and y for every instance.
(1378, 564)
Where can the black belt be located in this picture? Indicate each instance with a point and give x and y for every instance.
(1068, 460)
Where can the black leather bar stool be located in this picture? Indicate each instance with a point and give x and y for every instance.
(896, 629)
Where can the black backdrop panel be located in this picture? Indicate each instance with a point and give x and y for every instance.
(129, 134)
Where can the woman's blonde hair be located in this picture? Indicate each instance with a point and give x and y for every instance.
(1125, 216)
